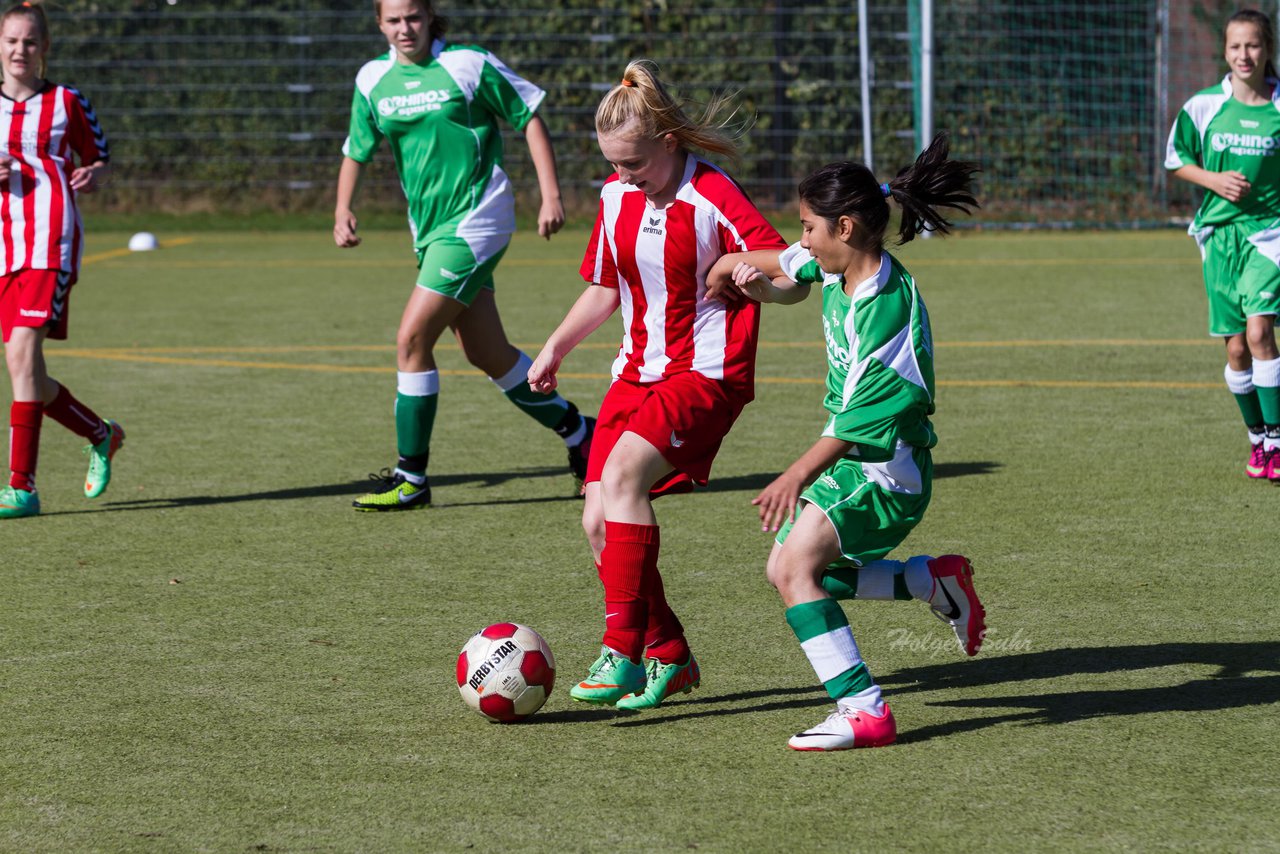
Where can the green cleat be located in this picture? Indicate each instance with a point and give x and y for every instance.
(394, 492)
(610, 678)
(16, 503)
(663, 680)
(95, 482)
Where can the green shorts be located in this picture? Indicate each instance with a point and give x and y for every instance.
(868, 505)
(1241, 273)
(450, 267)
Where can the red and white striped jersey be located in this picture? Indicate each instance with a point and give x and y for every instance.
(659, 260)
(41, 225)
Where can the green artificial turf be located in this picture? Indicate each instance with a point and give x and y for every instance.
(220, 655)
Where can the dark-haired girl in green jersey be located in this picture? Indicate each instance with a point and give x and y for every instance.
(438, 107)
(856, 494)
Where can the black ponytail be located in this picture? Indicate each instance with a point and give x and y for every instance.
(930, 183)
(850, 189)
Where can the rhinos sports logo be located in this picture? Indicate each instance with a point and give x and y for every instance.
(1245, 144)
(406, 106)
(836, 352)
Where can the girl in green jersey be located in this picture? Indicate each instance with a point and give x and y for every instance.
(861, 488)
(1226, 139)
(438, 106)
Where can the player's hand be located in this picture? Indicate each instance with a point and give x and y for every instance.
(751, 282)
(6, 164)
(542, 373)
(721, 289)
(550, 218)
(344, 230)
(778, 500)
(83, 179)
(1232, 186)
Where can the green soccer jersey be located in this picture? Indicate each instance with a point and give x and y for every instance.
(879, 357)
(1220, 134)
(440, 118)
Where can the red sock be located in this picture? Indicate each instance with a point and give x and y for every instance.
(24, 443)
(76, 417)
(628, 551)
(664, 637)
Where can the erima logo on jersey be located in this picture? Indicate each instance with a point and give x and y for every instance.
(414, 84)
(654, 226)
(1245, 123)
(1247, 144)
(411, 105)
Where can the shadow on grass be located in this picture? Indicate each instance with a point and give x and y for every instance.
(483, 480)
(1229, 688)
(804, 698)
(758, 481)
(941, 470)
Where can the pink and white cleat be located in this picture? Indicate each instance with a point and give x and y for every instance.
(956, 603)
(847, 728)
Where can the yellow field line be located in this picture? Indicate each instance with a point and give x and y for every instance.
(571, 264)
(120, 253)
(117, 356)
(108, 352)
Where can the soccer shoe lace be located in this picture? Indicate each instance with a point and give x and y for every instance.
(1273, 464)
(956, 603)
(610, 678)
(100, 455)
(393, 492)
(1258, 459)
(661, 681)
(578, 455)
(847, 728)
(16, 503)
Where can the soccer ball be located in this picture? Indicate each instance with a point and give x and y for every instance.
(505, 672)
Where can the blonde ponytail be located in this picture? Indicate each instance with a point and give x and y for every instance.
(641, 97)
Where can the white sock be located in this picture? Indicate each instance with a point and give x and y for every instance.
(875, 579)
(919, 579)
(867, 700)
(575, 438)
(415, 479)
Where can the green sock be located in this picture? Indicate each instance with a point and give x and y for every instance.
(415, 417)
(823, 631)
(1268, 405)
(547, 409)
(1251, 408)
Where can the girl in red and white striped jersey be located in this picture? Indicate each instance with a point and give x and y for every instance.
(684, 371)
(45, 130)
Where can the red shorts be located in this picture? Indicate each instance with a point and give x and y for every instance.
(685, 417)
(35, 298)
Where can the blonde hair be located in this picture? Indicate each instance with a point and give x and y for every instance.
(33, 10)
(642, 97)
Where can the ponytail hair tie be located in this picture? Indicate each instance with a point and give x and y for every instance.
(884, 188)
(626, 82)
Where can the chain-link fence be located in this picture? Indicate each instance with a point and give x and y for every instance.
(243, 105)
